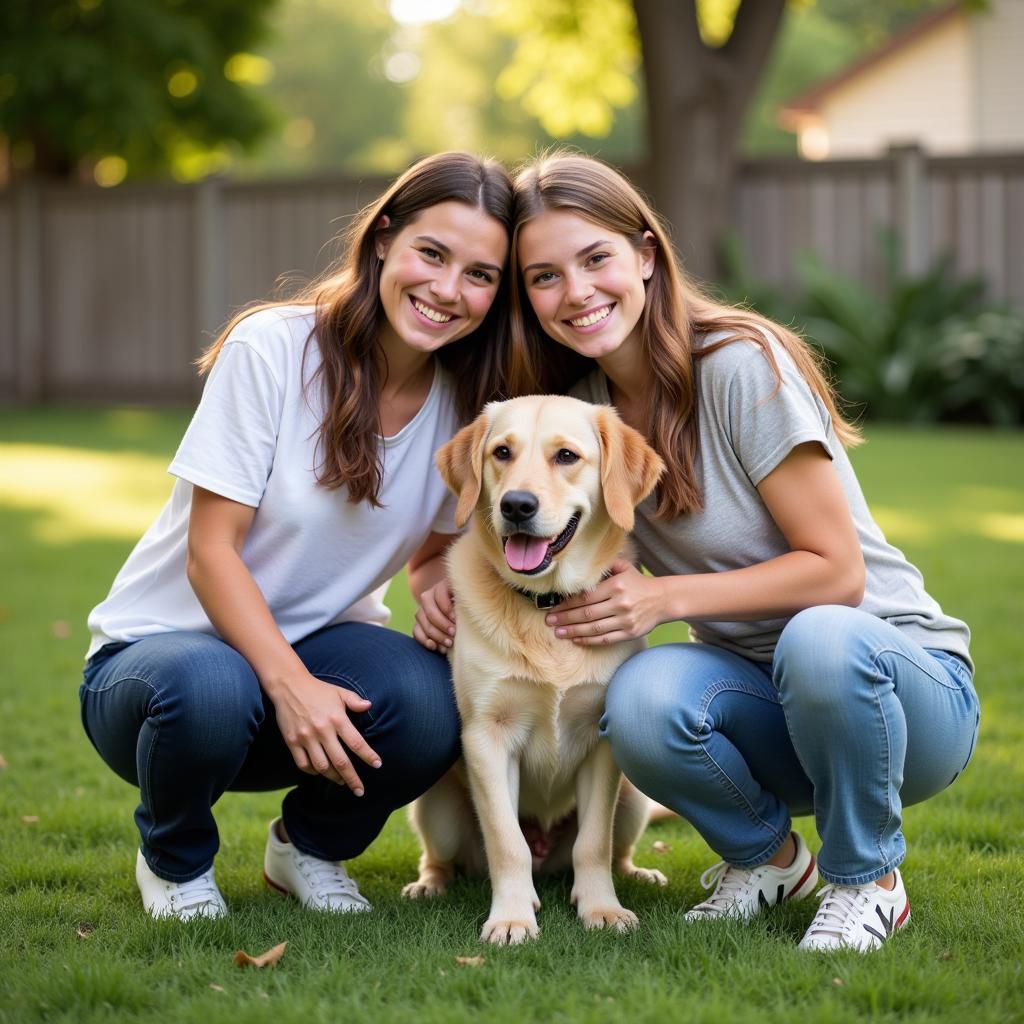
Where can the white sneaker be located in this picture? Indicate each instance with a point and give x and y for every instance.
(744, 892)
(316, 884)
(858, 917)
(183, 900)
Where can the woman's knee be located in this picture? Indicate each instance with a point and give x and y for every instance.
(413, 709)
(819, 655)
(650, 699)
(199, 684)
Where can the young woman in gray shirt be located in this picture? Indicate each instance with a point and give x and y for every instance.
(824, 677)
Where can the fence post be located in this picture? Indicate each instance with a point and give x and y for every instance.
(28, 324)
(911, 207)
(210, 262)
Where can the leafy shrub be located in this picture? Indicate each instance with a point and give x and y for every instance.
(928, 348)
(982, 361)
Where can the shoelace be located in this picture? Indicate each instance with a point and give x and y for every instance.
(838, 904)
(728, 882)
(329, 879)
(200, 892)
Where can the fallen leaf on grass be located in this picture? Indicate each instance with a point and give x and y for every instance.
(470, 961)
(268, 959)
(85, 929)
(30, 819)
(659, 847)
(61, 629)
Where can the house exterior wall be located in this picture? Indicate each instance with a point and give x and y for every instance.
(922, 93)
(954, 89)
(997, 52)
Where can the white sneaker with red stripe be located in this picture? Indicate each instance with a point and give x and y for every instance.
(744, 892)
(860, 917)
(316, 884)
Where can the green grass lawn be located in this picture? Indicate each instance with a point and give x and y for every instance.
(76, 490)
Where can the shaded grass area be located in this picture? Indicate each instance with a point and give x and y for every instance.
(76, 489)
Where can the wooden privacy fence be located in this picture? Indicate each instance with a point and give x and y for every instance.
(110, 295)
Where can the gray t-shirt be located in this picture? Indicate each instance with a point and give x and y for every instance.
(745, 432)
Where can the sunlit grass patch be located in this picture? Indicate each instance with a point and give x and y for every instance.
(77, 494)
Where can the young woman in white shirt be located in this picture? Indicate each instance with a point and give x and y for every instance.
(242, 645)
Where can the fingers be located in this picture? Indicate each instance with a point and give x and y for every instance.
(319, 750)
(582, 621)
(616, 636)
(435, 619)
(338, 760)
(430, 635)
(350, 735)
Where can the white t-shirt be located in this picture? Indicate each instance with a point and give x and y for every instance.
(317, 558)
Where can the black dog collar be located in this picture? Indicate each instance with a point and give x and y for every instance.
(551, 599)
(543, 601)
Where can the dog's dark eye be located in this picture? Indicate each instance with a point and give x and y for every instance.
(566, 457)
(502, 453)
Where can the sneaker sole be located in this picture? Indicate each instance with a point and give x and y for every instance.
(277, 888)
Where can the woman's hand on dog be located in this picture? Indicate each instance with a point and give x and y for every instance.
(435, 618)
(626, 606)
(313, 717)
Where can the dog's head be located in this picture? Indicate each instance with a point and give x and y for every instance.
(548, 475)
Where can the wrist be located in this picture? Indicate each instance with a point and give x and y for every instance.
(674, 600)
(281, 679)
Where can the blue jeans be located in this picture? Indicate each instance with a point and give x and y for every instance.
(852, 720)
(182, 716)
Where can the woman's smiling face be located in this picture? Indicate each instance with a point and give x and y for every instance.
(584, 281)
(441, 274)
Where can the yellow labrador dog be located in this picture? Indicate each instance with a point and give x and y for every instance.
(553, 483)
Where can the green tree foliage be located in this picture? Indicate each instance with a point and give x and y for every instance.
(157, 84)
(339, 110)
(574, 62)
(371, 95)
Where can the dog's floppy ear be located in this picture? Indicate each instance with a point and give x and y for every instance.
(460, 463)
(629, 467)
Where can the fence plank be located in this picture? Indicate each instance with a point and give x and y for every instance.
(111, 294)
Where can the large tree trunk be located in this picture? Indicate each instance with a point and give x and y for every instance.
(696, 101)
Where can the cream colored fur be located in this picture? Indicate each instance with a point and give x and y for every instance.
(529, 701)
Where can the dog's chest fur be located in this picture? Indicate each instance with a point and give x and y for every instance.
(542, 696)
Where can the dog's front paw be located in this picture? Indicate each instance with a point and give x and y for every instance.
(424, 887)
(502, 931)
(651, 875)
(611, 916)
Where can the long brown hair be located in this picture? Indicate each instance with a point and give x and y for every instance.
(677, 315)
(346, 299)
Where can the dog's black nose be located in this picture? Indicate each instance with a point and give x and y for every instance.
(519, 506)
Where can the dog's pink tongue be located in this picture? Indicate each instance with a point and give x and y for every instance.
(524, 553)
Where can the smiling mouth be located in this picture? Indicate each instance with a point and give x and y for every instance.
(595, 316)
(530, 555)
(435, 316)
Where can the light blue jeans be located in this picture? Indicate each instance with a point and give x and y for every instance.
(852, 720)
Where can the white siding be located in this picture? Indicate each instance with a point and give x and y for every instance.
(921, 92)
(998, 59)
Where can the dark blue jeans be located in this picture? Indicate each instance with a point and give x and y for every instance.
(182, 716)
